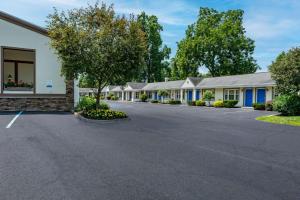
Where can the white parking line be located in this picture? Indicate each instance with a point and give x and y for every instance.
(13, 120)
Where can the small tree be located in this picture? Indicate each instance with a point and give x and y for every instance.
(94, 41)
(163, 94)
(286, 72)
(143, 97)
(208, 96)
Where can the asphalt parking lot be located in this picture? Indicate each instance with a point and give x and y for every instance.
(163, 152)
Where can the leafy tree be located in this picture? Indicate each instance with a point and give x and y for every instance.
(86, 82)
(285, 70)
(163, 94)
(218, 42)
(154, 67)
(94, 41)
(208, 96)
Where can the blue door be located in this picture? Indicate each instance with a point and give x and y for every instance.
(190, 95)
(197, 94)
(248, 97)
(261, 96)
(155, 95)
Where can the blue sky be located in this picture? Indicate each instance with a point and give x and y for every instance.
(273, 24)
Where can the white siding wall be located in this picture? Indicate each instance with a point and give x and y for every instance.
(47, 64)
(218, 94)
(269, 94)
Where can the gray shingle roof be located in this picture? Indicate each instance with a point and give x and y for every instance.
(246, 80)
(108, 88)
(195, 80)
(117, 89)
(164, 85)
(136, 86)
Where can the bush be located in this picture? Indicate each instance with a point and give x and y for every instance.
(259, 106)
(89, 103)
(103, 114)
(218, 104)
(110, 96)
(269, 106)
(154, 101)
(173, 102)
(191, 103)
(230, 103)
(143, 97)
(287, 105)
(114, 98)
(200, 103)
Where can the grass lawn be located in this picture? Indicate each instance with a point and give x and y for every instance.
(276, 119)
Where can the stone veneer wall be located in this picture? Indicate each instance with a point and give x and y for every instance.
(40, 103)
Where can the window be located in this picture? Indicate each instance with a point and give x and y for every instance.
(137, 95)
(231, 94)
(18, 70)
(149, 95)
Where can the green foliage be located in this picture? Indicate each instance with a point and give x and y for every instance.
(163, 93)
(155, 67)
(276, 119)
(230, 103)
(174, 102)
(143, 97)
(286, 72)
(114, 98)
(287, 104)
(259, 106)
(103, 114)
(208, 95)
(218, 104)
(217, 41)
(269, 106)
(89, 103)
(191, 103)
(200, 103)
(94, 41)
(154, 101)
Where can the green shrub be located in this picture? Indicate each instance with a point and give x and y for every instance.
(287, 105)
(173, 102)
(259, 106)
(114, 98)
(103, 114)
(200, 103)
(230, 103)
(154, 101)
(218, 104)
(143, 97)
(269, 106)
(191, 103)
(89, 103)
(110, 96)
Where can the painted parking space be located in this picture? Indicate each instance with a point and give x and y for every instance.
(7, 119)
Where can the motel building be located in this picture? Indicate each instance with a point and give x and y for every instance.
(246, 89)
(30, 71)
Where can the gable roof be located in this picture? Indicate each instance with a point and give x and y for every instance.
(195, 80)
(164, 85)
(261, 79)
(135, 85)
(20, 22)
(108, 88)
(117, 89)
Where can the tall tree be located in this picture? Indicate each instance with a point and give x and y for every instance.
(94, 41)
(285, 70)
(218, 42)
(154, 67)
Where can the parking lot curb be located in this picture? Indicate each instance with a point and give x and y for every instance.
(81, 118)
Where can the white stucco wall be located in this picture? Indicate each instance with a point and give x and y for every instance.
(47, 64)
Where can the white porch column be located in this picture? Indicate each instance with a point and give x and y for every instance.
(122, 96)
(194, 94)
(132, 96)
(181, 95)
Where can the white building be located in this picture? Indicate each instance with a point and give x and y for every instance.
(30, 71)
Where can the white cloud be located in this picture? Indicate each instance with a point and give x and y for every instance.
(264, 27)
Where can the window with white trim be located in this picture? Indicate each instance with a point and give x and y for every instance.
(137, 95)
(231, 94)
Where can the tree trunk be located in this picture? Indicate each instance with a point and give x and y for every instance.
(98, 98)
